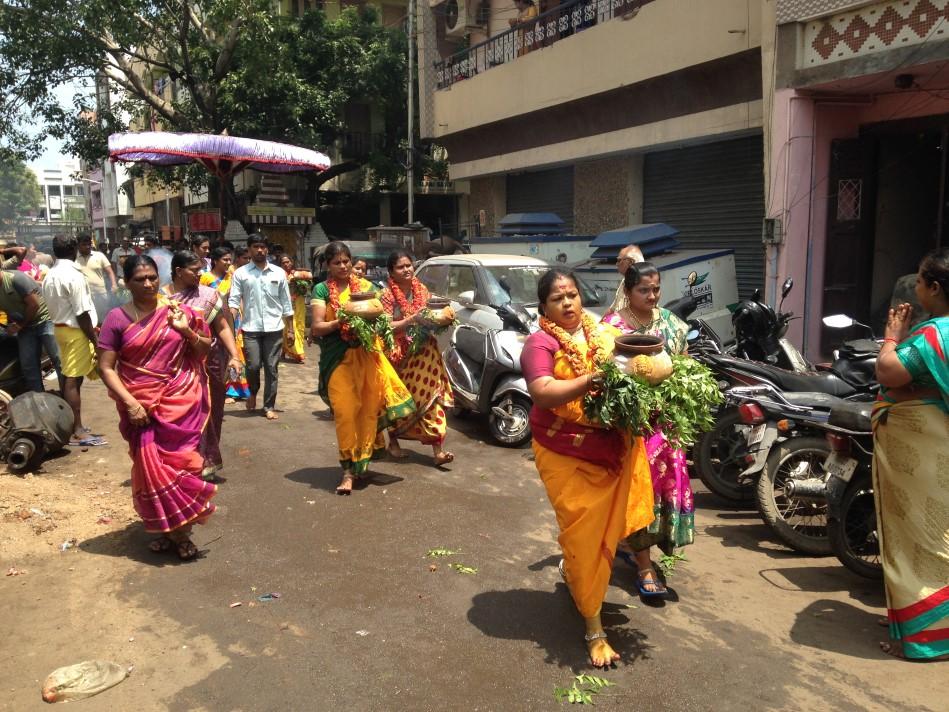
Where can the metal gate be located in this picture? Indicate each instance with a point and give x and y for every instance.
(714, 194)
(549, 191)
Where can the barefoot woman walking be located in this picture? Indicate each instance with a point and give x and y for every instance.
(362, 388)
(597, 479)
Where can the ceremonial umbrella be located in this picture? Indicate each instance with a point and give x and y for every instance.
(223, 156)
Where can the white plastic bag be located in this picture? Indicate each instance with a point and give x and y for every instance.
(84, 679)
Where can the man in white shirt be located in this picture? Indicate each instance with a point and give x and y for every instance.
(261, 294)
(73, 313)
(629, 255)
(99, 275)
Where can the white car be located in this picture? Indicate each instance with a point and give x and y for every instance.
(477, 284)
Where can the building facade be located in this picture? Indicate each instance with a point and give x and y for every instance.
(605, 112)
(64, 195)
(857, 150)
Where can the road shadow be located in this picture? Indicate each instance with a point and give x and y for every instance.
(752, 537)
(837, 627)
(132, 543)
(712, 502)
(326, 478)
(522, 614)
(550, 621)
(826, 579)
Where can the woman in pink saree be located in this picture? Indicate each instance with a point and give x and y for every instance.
(151, 357)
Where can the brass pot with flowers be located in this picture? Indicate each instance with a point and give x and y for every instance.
(366, 323)
(438, 312)
(643, 355)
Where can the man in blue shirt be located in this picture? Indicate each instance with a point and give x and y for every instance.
(259, 291)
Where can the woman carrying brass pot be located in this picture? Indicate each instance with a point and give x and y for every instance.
(417, 359)
(596, 477)
(673, 525)
(361, 386)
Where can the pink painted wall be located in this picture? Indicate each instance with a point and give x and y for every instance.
(802, 129)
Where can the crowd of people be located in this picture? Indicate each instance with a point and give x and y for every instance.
(172, 355)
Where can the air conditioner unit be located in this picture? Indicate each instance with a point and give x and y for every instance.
(461, 16)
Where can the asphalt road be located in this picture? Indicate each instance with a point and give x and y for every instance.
(364, 623)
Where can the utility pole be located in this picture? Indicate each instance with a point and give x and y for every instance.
(410, 162)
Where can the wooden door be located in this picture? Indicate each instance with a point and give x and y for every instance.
(851, 215)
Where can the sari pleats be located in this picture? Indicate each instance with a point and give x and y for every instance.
(160, 371)
(425, 377)
(911, 488)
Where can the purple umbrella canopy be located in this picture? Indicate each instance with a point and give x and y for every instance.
(221, 155)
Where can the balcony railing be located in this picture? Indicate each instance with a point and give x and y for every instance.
(549, 27)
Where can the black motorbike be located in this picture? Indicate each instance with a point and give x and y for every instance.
(719, 455)
(848, 490)
(785, 455)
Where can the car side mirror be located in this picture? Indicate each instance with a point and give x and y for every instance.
(466, 298)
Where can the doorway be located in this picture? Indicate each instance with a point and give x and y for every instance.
(887, 210)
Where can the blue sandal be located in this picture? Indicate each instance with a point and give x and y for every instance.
(641, 583)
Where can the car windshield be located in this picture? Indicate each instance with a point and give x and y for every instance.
(518, 284)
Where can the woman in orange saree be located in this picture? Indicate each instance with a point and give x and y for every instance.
(362, 388)
(597, 478)
(151, 356)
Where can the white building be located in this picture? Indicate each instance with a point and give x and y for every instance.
(64, 195)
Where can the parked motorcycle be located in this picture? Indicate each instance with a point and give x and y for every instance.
(32, 426)
(719, 454)
(786, 452)
(848, 490)
(484, 368)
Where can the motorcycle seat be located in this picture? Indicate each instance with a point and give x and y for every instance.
(851, 416)
(857, 373)
(812, 381)
(813, 399)
(860, 348)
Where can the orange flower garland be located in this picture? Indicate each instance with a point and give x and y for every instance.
(595, 352)
(418, 297)
(345, 331)
(395, 296)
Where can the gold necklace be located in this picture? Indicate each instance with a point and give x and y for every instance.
(642, 324)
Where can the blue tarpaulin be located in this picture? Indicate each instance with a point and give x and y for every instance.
(652, 238)
(531, 224)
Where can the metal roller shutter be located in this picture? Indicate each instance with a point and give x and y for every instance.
(549, 191)
(714, 194)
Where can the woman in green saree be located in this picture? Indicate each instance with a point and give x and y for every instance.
(911, 469)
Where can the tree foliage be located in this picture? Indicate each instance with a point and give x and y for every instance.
(19, 192)
(235, 65)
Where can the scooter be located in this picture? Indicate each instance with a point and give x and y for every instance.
(484, 368)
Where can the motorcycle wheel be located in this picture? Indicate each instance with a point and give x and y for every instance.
(512, 429)
(718, 457)
(853, 536)
(802, 525)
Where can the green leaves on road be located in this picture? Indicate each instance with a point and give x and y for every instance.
(460, 568)
(582, 690)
